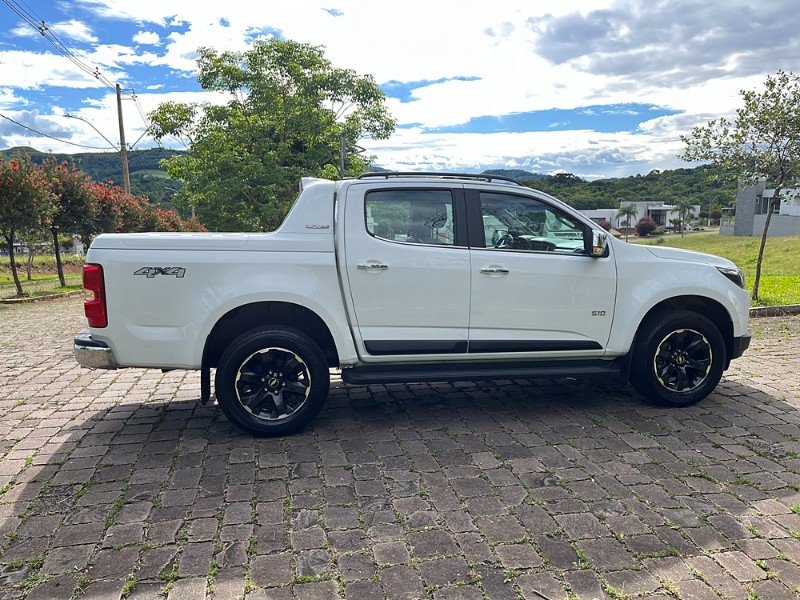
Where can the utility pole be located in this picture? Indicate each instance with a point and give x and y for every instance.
(126, 178)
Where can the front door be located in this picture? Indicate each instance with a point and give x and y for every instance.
(534, 289)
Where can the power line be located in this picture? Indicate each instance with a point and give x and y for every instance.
(50, 136)
(89, 123)
(143, 116)
(22, 10)
(41, 26)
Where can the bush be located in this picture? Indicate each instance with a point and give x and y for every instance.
(645, 226)
(604, 224)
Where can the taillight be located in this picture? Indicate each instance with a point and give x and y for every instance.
(94, 301)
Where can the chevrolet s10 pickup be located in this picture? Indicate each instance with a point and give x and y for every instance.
(410, 277)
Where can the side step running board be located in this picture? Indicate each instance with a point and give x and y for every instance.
(419, 373)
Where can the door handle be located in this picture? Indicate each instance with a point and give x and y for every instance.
(493, 270)
(372, 265)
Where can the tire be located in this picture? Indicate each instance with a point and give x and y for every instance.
(272, 381)
(678, 358)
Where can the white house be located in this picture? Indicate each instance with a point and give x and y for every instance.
(751, 212)
(662, 214)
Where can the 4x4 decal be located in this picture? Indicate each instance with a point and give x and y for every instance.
(151, 272)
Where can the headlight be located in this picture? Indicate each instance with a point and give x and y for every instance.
(735, 275)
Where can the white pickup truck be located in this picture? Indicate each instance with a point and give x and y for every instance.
(401, 277)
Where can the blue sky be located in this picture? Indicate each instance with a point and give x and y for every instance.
(599, 89)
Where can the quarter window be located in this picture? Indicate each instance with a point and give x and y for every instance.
(516, 223)
(414, 216)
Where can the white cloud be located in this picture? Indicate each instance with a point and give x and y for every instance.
(73, 30)
(520, 56)
(150, 38)
(10, 99)
(35, 70)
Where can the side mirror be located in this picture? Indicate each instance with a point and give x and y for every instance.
(599, 244)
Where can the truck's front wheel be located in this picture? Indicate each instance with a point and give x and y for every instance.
(272, 381)
(678, 359)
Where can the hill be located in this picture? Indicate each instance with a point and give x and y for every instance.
(517, 174)
(704, 185)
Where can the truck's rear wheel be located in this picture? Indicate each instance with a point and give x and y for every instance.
(272, 381)
(678, 359)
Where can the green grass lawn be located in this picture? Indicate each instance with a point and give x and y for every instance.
(44, 280)
(780, 271)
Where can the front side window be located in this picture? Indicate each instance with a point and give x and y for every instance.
(413, 216)
(520, 223)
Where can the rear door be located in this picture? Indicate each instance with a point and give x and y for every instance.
(534, 290)
(408, 269)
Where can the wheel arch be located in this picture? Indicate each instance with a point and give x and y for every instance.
(269, 313)
(709, 308)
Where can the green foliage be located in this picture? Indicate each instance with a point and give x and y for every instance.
(626, 214)
(287, 111)
(685, 212)
(24, 196)
(25, 203)
(762, 141)
(705, 185)
(71, 206)
(60, 200)
(147, 177)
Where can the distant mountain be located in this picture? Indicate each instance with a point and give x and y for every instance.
(514, 174)
(102, 166)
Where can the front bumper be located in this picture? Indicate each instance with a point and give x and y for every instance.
(93, 354)
(740, 344)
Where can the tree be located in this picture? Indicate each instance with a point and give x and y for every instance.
(288, 110)
(24, 199)
(71, 207)
(762, 141)
(626, 213)
(685, 211)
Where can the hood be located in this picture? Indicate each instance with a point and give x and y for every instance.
(690, 256)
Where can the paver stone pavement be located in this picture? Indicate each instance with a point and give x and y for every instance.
(121, 484)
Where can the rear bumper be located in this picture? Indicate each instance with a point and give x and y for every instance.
(91, 353)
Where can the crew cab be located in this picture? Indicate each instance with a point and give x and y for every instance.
(410, 277)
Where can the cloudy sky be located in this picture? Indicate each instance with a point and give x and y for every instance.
(598, 88)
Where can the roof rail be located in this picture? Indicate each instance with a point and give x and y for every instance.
(477, 176)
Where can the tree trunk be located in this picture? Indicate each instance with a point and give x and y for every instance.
(10, 241)
(29, 266)
(59, 266)
(770, 208)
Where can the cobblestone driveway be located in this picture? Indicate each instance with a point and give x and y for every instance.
(120, 483)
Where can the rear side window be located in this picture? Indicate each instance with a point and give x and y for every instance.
(412, 216)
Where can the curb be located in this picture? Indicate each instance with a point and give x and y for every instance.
(28, 300)
(775, 311)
